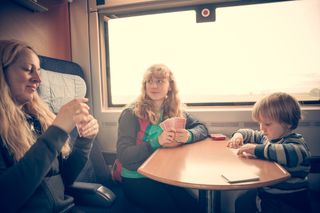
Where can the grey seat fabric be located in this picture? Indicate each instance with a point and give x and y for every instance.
(70, 73)
(96, 170)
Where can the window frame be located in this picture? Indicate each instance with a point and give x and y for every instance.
(177, 9)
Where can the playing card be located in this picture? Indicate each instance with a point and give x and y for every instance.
(163, 126)
(169, 123)
(78, 129)
(180, 123)
(173, 123)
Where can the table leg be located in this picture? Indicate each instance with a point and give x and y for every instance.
(205, 199)
(217, 201)
(210, 201)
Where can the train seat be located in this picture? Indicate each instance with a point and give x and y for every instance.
(314, 187)
(63, 81)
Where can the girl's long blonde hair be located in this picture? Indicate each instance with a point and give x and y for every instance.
(172, 107)
(15, 131)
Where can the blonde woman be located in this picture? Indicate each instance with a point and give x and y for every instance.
(35, 158)
(139, 135)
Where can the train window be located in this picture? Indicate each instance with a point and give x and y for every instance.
(247, 52)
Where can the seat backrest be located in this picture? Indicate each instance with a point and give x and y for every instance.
(315, 164)
(61, 66)
(96, 169)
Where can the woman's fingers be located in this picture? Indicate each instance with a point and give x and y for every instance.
(89, 127)
(72, 113)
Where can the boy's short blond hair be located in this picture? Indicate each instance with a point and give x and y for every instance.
(280, 107)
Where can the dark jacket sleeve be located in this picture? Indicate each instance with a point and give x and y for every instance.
(72, 166)
(199, 130)
(129, 153)
(19, 182)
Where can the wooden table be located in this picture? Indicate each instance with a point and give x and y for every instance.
(200, 166)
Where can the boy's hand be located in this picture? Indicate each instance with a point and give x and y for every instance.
(236, 141)
(247, 150)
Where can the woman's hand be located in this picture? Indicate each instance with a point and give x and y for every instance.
(182, 136)
(75, 111)
(236, 141)
(88, 128)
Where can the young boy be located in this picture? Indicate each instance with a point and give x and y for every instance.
(278, 115)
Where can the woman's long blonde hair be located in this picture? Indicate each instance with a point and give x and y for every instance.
(15, 131)
(172, 107)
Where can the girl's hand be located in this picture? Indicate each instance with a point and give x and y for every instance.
(166, 137)
(182, 136)
(236, 141)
